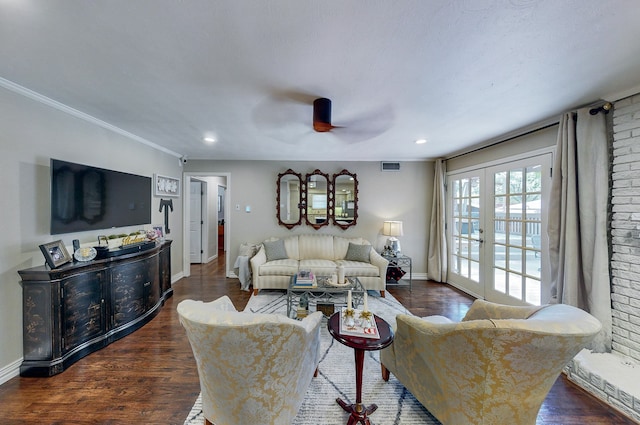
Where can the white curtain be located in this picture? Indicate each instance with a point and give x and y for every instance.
(437, 268)
(578, 244)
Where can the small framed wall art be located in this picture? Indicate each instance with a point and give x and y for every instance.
(55, 253)
(159, 230)
(166, 186)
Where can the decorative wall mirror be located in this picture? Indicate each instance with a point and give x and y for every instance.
(290, 199)
(318, 203)
(345, 199)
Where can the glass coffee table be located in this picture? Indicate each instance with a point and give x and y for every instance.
(324, 296)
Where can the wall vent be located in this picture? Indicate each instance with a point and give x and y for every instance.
(390, 166)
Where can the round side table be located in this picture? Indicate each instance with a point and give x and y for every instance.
(359, 412)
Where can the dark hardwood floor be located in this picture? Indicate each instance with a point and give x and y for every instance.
(149, 377)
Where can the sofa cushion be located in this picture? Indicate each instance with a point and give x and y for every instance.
(358, 268)
(286, 267)
(340, 246)
(311, 247)
(274, 250)
(358, 253)
(319, 267)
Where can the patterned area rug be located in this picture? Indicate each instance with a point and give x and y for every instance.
(336, 376)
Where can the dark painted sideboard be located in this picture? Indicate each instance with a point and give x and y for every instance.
(78, 308)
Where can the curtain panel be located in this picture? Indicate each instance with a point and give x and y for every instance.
(578, 211)
(437, 268)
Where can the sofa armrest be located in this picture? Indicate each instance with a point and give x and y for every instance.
(380, 262)
(257, 260)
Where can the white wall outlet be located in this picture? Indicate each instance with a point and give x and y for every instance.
(237, 207)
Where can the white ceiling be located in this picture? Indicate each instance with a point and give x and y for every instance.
(458, 73)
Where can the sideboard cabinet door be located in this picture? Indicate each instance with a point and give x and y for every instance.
(83, 309)
(152, 284)
(165, 270)
(128, 282)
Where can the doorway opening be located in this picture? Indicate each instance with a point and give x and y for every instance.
(206, 218)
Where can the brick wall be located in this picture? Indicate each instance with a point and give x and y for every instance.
(625, 228)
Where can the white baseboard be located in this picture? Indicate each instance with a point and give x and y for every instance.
(176, 277)
(10, 371)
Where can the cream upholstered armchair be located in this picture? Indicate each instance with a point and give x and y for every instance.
(494, 367)
(254, 369)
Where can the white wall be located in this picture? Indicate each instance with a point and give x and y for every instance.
(519, 145)
(30, 134)
(404, 195)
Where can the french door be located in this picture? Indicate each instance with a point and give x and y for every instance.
(495, 228)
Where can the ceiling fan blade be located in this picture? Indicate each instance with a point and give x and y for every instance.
(367, 125)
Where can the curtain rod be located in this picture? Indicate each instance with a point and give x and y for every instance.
(599, 106)
(509, 138)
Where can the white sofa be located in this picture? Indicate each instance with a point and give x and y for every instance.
(279, 259)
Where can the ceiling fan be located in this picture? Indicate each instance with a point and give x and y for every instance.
(282, 116)
(322, 115)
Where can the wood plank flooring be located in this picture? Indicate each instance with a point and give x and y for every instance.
(150, 376)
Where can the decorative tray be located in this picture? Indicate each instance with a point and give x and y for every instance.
(85, 254)
(357, 326)
(336, 284)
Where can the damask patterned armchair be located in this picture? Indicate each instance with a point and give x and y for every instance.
(494, 367)
(254, 369)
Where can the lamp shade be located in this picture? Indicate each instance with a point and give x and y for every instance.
(392, 228)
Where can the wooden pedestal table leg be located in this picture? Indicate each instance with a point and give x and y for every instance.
(359, 413)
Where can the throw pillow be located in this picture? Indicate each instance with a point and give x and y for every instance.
(357, 252)
(275, 250)
(248, 249)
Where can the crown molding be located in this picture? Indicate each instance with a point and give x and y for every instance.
(16, 88)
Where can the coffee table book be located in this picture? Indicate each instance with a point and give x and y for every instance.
(305, 279)
(298, 284)
(357, 329)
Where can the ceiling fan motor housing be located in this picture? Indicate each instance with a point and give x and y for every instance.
(322, 114)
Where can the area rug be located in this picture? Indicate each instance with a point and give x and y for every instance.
(336, 376)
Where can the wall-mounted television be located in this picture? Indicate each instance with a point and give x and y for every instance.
(90, 198)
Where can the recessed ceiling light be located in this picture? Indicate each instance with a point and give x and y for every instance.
(421, 141)
(209, 139)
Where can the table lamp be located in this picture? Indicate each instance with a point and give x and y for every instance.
(392, 229)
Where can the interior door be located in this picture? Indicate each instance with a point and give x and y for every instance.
(195, 221)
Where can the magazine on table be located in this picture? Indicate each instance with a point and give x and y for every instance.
(370, 330)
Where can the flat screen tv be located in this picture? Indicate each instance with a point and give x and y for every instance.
(90, 198)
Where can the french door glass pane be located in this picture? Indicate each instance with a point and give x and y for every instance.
(465, 205)
(517, 223)
(500, 280)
